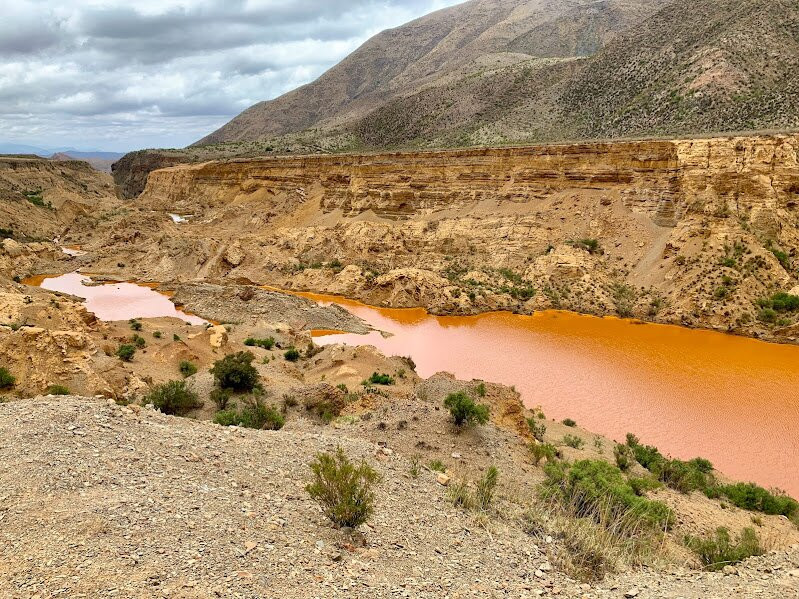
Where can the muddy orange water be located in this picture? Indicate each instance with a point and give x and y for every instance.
(691, 393)
(115, 301)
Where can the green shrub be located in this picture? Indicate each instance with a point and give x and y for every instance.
(767, 315)
(135, 325)
(254, 414)
(780, 302)
(573, 441)
(174, 398)
(677, 474)
(6, 233)
(459, 495)
(539, 451)
(755, 498)
(624, 457)
(126, 352)
(464, 411)
(187, 368)
(267, 343)
(157, 334)
(537, 429)
(598, 490)
(291, 355)
(138, 341)
(220, 397)
(235, 371)
(569, 422)
(175, 337)
(718, 550)
(342, 489)
(7, 380)
(481, 389)
(642, 485)
(380, 379)
(57, 390)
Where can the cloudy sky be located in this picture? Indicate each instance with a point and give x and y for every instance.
(121, 74)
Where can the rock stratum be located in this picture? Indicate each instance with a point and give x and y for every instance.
(688, 231)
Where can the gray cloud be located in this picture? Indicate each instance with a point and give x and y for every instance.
(120, 75)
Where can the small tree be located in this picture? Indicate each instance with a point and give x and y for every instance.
(343, 489)
(464, 411)
(235, 371)
(174, 398)
(7, 380)
(292, 355)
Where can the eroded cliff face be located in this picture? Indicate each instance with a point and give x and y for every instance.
(690, 231)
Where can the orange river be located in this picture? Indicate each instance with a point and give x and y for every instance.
(691, 393)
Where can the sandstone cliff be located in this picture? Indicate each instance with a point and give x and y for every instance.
(691, 231)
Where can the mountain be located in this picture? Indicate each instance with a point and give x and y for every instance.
(507, 71)
(477, 37)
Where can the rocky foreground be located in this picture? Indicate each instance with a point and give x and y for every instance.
(102, 500)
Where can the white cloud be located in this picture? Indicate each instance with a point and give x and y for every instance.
(115, 74)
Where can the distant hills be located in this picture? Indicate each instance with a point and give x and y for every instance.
(512, 71)
(100, 160)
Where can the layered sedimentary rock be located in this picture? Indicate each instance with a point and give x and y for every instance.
(693, 231)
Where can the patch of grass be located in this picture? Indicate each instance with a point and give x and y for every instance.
(157, 334)
(569, 422)
(718, 549)
(590, 245)
(126, 352)
(343, 489)
(236, 372)
(267, 343)
(36, 198)
(7, 380)
(459, 495)
(437, 466)
(416, 466)
(174, 398)
(291, 355)
(253, 414)
(57, 390)
(464, 411)
(486, 488)
(187, 368)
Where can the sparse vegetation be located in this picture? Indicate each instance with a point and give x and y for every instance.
(135, 325)
(464, 411)
(220, 397)
(540, 451)
(437, 466)
(718, 550)
(253, 414)
(569, 422)
(379, 379)
(267, 343)
(573, 441)
(7, 380)
(57, 390)
(174, 398)
(537, 429)
(343, 489)
(236, 372)
(291, 355)
(187, 368)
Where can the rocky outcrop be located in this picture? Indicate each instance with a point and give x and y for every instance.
(131, 171)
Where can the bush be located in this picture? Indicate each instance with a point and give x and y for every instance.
(537, 429)
(780, 302)
(187, 368)
(595, 489)
(138, 341)
(677, 474)
(135, 325)
(380, 379)
(126, 352)
(464, 411)
(717, 550)
(624, 457)
(569, 422)
(267, 343)
(754, 498)
(57, 390)
(343, 489)
(254, 414)
(157, 334)
(235, 371)
(220, 397)
(7, 380)
(540, 451)
(174, 398)
(573, 441)
(292, 355)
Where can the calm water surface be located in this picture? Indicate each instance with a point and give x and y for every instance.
(116, 301)
(691, 393)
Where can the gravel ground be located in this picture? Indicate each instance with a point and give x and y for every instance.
(99, 500)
